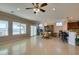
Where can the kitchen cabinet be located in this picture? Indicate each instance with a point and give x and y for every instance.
(73, 25)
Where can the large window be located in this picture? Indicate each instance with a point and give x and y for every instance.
(19, 28)
(23, 28)
(16, 28)
(3, 28)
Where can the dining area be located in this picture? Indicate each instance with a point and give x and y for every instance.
(47, 32)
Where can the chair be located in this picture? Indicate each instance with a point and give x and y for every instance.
(45, 35)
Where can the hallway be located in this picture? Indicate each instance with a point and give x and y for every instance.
(38, 46)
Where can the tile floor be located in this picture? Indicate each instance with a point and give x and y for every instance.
(38, 46)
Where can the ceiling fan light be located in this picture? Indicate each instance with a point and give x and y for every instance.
(38, 10)
(34, 9)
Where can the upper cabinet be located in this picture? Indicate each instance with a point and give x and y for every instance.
(73, 25)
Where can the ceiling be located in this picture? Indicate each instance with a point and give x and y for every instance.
(63, 10)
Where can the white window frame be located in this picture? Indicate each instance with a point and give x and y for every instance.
(6, 29)
(20, 29)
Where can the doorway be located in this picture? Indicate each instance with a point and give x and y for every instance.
(33, 31)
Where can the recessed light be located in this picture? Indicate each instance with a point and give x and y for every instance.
(18, 9)
(54, 9)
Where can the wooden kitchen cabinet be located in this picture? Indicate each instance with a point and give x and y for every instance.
(73, 25)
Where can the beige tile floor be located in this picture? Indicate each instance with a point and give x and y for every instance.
(38, 46)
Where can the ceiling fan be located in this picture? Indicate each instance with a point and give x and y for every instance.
(37, 7)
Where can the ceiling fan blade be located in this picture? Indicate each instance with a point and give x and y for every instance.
(37, 4)
(44, 4)
(32, 3)
(28, 8)
(42, 10)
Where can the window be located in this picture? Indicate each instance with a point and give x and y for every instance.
(59, 24)
(16, 28)
(23, 28)
(4, 51)
(19, 28)
(3, 28)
